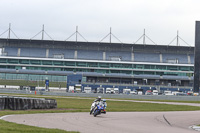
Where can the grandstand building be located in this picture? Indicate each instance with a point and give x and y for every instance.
(134, 66)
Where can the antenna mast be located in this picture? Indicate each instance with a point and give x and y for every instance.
(76, 34)
(43, 32)
(144, 37)
(110, 37)
(9, 31)
(177, 39)
(110, 34)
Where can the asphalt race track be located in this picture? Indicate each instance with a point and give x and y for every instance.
(114, 122)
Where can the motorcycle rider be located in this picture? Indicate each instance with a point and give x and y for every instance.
(93, 106)
(96, 102)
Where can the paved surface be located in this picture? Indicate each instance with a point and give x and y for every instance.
(114, 122)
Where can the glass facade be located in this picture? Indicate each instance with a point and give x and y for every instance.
(99, 67)
(32, 77)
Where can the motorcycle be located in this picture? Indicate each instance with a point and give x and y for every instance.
(98, 110)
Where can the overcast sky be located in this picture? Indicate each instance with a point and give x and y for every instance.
(128, 19)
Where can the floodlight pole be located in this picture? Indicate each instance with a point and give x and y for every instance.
(197, 57)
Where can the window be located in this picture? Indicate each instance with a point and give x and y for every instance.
(103, 65)
(2, 60)
(24, 61)
(4, 53)
(58, 62)
(13, 61)
(34, 62)
(115, 58)
(58, 56)
(47, 62)
(172, 61)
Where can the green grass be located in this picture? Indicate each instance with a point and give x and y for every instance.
(67, 104)
(158, 100)
(8, 127)
(121, 106)
(147, 107)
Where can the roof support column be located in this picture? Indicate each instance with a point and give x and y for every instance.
(197, 58)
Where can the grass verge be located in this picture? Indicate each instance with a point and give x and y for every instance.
(8, 127)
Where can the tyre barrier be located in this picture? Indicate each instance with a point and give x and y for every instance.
(24, 103)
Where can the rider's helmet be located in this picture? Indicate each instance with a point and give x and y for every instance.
(104, 100)
(99, 98)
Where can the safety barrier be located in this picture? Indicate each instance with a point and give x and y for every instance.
(2, 103)
(24, 103)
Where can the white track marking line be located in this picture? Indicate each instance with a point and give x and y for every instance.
(1, 118)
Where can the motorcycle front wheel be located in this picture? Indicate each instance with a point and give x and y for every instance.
(91, 111)
(95, 113)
